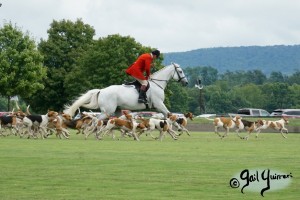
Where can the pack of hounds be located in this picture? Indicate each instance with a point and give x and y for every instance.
(27, 125)
(240, 124)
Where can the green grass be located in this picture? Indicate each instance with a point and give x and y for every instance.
(196, 167)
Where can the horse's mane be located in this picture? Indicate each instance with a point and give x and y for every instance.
(161, 70)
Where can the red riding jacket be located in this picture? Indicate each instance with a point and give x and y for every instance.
(141, 65)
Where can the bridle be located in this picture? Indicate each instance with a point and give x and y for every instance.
(175, 71)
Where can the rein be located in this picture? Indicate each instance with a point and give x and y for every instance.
(179, 78)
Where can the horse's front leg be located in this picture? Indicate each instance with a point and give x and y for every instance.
(160, 106)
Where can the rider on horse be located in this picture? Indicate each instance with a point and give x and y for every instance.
(137, 69)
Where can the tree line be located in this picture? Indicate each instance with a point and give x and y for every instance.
(52, 72)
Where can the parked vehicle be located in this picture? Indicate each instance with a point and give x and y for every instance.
(178, 114)
(205, 116)
(4, 113)
(291, 113)
(251, 112)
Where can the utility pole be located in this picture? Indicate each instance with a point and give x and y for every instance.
(201, 96)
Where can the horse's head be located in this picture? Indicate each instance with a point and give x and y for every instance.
(179, 75)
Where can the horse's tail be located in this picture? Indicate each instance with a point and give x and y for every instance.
(87, 100)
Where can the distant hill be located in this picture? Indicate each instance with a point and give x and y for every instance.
(285, 59)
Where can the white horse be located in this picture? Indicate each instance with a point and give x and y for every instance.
(126, 96)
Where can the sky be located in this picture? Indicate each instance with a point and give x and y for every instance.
(168, 25)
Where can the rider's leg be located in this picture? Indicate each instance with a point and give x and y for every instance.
(142, 95)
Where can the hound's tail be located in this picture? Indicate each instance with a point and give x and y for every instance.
(88, 100)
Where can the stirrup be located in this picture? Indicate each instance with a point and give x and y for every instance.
(142, 101)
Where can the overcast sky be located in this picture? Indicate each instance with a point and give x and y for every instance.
(169, 25)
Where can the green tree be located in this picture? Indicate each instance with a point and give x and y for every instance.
(208, 75)
(294, 78)
(295, 95)
(277, 77)
(193, 100)
(21, 66)
(249, 95)
(256, 77)
(67, 42)
(178, 98)
(218, 99)
(277, 95)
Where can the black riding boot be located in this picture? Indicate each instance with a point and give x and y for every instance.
(142, 95)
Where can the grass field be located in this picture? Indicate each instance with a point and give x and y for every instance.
(196, 167)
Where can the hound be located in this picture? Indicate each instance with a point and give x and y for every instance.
(250, 127)
(8, 121)
(80, 124)
(276, 125)
(95, 126)
(13, 121)
(227, 123)
(182, 122)
(129, 125)
(39, 123)
(163, 125)
(59, 123)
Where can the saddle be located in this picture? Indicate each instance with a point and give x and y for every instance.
(136, 84)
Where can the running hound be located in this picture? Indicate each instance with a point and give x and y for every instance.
(277, 125)
(182, 122)
(227, 123)
(38, 123)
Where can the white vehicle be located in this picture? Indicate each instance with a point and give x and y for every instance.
(206, 116)
(251, 112)
(178, 114)
(291, 113)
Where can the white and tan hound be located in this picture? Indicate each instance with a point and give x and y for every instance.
(250, 127)
(38, 123)
(128, 125)
(227, 123)
(182, 122)
(276, 125)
